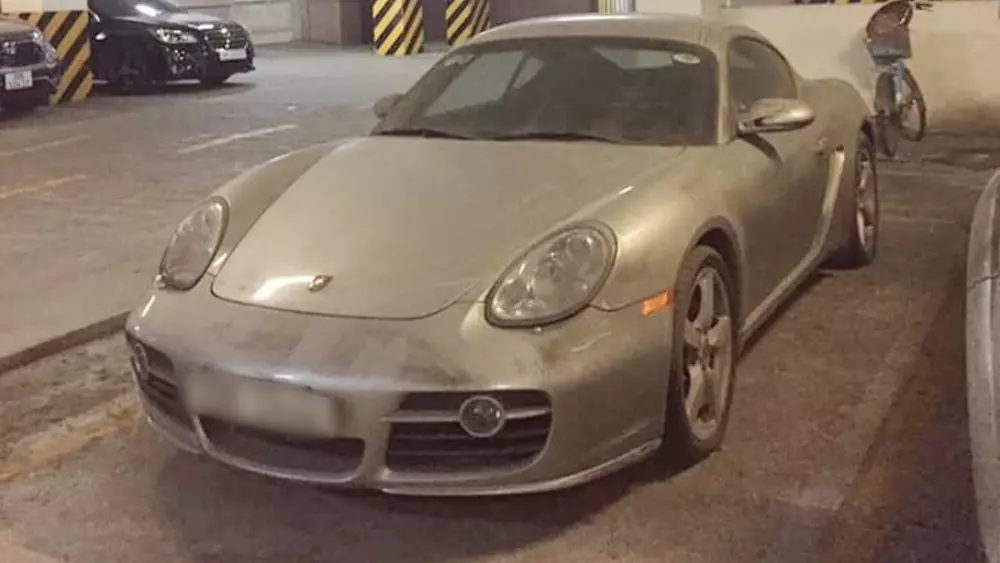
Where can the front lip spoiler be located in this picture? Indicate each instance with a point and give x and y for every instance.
(611, 466)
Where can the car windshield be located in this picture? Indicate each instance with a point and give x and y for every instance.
(151, 8)
(614, 90)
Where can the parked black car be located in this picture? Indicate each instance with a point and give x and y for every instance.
(137, 43)
(29, 67)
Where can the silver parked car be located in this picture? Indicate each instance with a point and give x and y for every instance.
(538, 268)
(982, 365)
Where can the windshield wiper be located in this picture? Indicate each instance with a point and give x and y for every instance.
(421, 132)
(553, 136)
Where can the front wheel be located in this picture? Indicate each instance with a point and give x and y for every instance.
(704, 358)
(913, 116)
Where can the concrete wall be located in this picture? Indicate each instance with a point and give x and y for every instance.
(503, 11)
(269, 21)
(954, 50)
(954, 47)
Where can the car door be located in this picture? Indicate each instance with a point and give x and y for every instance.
(786, 217)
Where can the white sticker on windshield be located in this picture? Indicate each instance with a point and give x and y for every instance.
(686, 58)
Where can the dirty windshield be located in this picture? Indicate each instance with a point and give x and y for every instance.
(588, 89)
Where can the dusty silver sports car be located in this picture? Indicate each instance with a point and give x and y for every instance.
(538, 268)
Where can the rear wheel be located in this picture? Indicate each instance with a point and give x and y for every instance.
(913, 116)
(860, 244)
(886, 123)
(704, 358)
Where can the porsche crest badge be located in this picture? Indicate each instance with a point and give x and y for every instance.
(318, 283)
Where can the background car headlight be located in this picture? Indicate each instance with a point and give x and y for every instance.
(51, 56)
(193, 245)
(174, 36)
(556, 279)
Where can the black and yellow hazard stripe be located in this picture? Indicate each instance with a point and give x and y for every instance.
(464, 19)
(68, 33)
(398, 27)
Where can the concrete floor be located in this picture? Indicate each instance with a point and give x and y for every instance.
(848, 441)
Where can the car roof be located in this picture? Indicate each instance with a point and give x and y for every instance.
(712, 34)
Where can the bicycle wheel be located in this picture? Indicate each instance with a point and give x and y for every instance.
(888, 132)
(916, 109)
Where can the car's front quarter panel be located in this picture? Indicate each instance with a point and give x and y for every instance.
(657, 222)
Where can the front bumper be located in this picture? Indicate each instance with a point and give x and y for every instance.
(201, 61)
(584, 398)
(45, 82)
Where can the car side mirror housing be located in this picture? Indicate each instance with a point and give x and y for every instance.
(771, 115)
(385, 105)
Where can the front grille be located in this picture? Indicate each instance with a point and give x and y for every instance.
(282, 451)
(227, 36)
(423, 439)
(158, 386)
(26, 53)
(165, 396)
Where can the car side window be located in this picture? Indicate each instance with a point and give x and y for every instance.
(756, 71)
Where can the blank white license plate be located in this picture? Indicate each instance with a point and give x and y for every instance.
(232, 54)
(18, 80)
(268, 405)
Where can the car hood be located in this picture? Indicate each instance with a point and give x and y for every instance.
(14, 26)
(405, 227)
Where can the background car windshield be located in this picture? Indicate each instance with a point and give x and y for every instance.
(629, 91)
(151, 8)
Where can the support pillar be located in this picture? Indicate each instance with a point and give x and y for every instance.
(398, 27)
(464, 19)
(65, 23)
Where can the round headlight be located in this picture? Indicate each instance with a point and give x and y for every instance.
(193, 245)
(555, 280)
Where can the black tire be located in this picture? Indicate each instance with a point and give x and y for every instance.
(130, 74)
(919, 105)
(886, 126)
(682, 444)
(855, 251)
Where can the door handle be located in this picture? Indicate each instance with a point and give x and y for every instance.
(821, 145)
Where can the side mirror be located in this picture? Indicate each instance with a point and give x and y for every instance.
(385, 105)
(771, 115)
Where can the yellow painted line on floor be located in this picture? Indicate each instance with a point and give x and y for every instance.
(12, 191)
(44, 146)
(237, 137)
(918, 220)
(11, 552)
(69, 436)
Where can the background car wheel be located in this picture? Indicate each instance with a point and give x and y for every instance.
(215, 80)
(130, 75)
(704, 358)
(861, 244)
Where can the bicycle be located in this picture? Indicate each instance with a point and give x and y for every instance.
(897, 93)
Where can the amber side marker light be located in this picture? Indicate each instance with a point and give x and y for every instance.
(657, 303)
